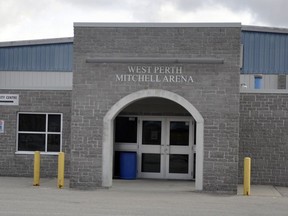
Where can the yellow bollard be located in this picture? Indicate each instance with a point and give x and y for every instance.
(36, 181)
(247, 176)
(61, 161)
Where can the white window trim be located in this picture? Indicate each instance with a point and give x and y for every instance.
(37, 132)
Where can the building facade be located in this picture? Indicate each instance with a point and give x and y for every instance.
(190, 101)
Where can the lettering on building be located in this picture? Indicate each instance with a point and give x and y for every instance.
(155, 74)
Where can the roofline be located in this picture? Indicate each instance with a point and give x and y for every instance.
(264, 29)
(154, 25)
(37, 42)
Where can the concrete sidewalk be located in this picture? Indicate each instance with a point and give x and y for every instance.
(139, 197)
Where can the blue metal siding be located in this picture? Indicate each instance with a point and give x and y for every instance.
(47, 57)
(264, 53)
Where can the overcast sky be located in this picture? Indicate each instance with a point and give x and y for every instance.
(40, 19)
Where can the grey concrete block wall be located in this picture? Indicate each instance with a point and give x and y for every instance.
(214, 92)
(264, 137)
(12, 164)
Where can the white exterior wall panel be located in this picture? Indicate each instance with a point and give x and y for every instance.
(36, 80)
(269, 81)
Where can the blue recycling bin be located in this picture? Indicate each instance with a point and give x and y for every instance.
(128, 165)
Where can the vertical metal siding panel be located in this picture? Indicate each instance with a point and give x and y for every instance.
(245, 53)
(256, 53)
(48, 58)
(52, 57)
(267, 51)
(57, 57)
(25, 58)
(40, 63)
(272, 54)
(277, 53)
(45, 57)
(20, 54)
(29, 60)
(282, 54)
(66, 57)
(14, 58)
(62, 59)
(10, 57)
(260, 52)
(71, 57)
(286, 56)
(6, 59)
(37, 58)
(43, 54)
(2, 59)
(251, 52)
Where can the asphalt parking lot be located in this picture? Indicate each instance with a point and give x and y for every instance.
(139, 197)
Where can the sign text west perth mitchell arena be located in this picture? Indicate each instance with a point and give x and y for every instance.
(170, 74)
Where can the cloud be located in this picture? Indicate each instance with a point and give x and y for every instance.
(30, 19)
(272, 13)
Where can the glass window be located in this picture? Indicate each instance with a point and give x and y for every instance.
(126, 130)
(39, 132)
(151, 133)
(179, 133)
(151, 163)
(178, 163)
(54, 123)
(36, 122)
(31, 142)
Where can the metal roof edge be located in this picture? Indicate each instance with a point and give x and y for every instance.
(37, 42)
(264, 29)
(155, 25)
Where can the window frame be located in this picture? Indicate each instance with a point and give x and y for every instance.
(46, 132)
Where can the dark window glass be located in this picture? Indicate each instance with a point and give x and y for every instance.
(54, 123)
(53, 143)
(32, 122)
(151, 163)
(178, 163)
(151, 133)
(31, 142)
(179, 133)
(126, 130)
(117, 164)
(195, 130)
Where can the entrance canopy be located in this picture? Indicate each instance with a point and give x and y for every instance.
(108, 131)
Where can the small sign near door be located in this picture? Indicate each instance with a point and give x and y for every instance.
(9, 99)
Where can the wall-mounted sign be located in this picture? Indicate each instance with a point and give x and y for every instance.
(170, 74)
(1, 126)
(9, 99)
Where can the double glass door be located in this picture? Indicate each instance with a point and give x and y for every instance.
(165, 148)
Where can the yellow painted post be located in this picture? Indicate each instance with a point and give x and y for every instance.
(36, 181)
(247, 176)
(61, 161)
